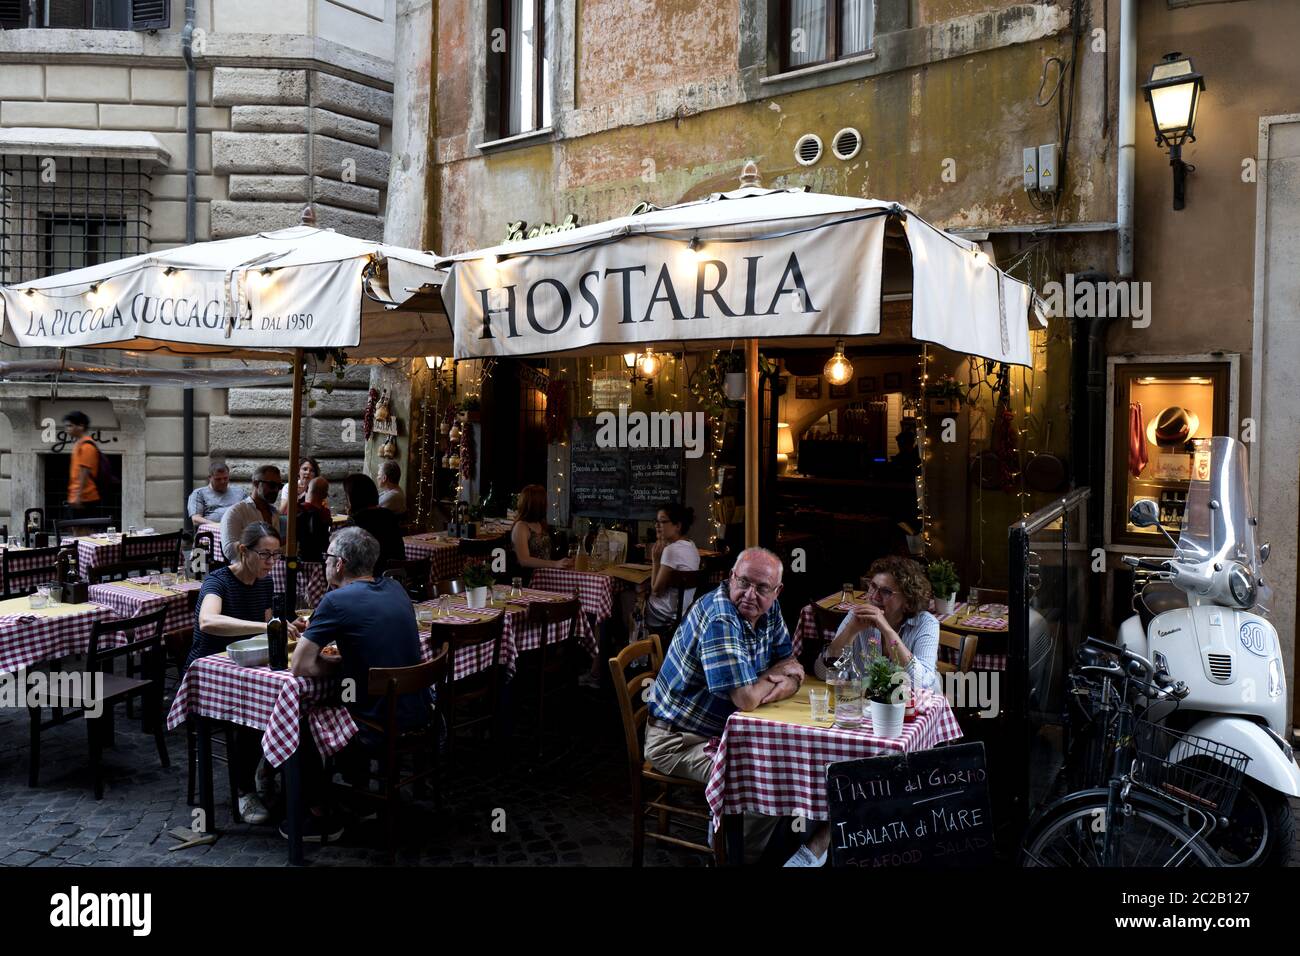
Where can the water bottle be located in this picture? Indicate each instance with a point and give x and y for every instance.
(600, 552)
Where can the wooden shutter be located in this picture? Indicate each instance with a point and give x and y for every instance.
(150, 14)
(13, 14)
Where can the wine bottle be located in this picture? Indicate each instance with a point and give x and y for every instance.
(277, 636)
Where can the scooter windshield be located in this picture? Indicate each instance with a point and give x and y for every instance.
(1220, 525)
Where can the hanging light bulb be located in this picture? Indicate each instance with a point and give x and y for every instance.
(838, 369)
(649, 363)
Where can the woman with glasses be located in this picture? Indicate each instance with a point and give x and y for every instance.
(895, 621)
(235, 602)
(671, 550)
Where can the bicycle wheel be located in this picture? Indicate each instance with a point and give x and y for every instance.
(1072, 834)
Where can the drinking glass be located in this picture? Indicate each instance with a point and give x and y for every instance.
(15, 541)
(55, 595)
(973, 601)
(424, 615)
(846, 592)
(819, 702)
(111, 531)
(130, 530)
(444, 605)
(39, 598)
(848, 702)
(516, 587)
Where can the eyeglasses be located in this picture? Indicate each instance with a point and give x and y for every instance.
(267, 555)
(662, 521)
(744, 584)
(331, 554)
(885, 593)
(277, 485)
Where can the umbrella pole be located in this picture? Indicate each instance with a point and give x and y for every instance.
(291, 525)
(751, 442)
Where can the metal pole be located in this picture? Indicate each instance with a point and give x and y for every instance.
(291, 525)
(752, 415)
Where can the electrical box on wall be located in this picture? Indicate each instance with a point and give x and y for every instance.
(1031, 169)
(1049, 173)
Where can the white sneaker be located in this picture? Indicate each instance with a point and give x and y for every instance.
(805, 857)
(253, 810)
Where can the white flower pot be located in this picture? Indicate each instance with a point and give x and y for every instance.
(477, 597)
(887, 719)
(733, 386)
(945, 606)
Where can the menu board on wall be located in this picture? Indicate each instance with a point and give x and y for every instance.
(620, 482)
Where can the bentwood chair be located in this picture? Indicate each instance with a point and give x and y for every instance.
(630, 691)
(684, 581)
(155, 551)
(143, 637)
(206, 541)
(30, 527)
(557, 620)
(480, 690)
(22, 572)
(413, 575)
(81, 525)
(825, 621)
(479, 548)
(449, 586)
(963, 647)
(422, 744)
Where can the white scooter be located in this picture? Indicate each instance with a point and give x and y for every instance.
(1200, 618)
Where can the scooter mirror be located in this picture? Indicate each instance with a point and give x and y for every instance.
(1264, 550)
(1145, 514)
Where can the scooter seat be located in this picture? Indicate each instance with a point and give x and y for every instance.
(1156, 598)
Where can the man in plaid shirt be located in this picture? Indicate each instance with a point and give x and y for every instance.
(733, 652)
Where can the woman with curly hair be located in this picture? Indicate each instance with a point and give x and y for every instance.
(896, 619)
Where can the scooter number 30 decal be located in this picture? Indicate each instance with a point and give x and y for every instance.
(1254, 639)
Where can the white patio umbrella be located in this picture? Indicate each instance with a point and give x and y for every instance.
(748, 264)
(271, 295)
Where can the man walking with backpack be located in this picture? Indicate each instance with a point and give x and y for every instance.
(84, 469)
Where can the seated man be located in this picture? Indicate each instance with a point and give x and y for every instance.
(208, 504)
(733, 652)
(314, 521)
(373, 625)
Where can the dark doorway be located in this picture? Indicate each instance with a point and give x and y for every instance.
(514, 451)
(56, 489)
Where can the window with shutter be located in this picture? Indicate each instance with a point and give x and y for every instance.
(13, 14)
(151, 14)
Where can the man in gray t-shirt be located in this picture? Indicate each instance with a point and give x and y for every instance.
(208, 503)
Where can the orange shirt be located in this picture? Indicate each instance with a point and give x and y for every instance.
(84, 455)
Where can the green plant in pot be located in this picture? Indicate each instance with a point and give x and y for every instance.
(887, 691)
(478, 583)
(944, 583)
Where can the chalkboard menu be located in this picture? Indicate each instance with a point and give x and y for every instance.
(927, 809)
(620, 482)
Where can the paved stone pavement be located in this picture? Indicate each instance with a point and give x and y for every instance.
(571, 811)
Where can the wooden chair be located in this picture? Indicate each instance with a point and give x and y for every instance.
(156, 551)
(4, 533)
(391, 683)
(993, 596)
(116, 689)
(480, 548)
(414, 576)
(964, 645)
(683, 581)
(483, 686)
(82, 525)
(22, 572)
(29, 527)
(635, 711)
(119, 571)
(449, 586)
(549, 616)
(826, 620)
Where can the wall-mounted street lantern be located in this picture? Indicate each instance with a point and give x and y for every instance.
(1173, 92)
(642, 367)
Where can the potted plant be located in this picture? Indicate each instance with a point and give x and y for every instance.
(944, 583)
(468, 409)
(731, 369)
(478, 582)
(887, 695)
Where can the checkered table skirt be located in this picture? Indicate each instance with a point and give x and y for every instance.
(807, 631)
(266, 700)
(595, 590)
(127, 600)
(444, 554)
(27, 639)
(312, 584)
(91, 553)
(779, 769)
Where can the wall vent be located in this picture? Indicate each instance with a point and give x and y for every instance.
(846, 143)
(808, 149)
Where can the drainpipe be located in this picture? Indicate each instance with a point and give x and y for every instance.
(191, 196)
(1127, 136)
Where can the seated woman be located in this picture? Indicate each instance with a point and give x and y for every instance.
(672, 550)
(530, 536)
(235, 602)
(895, 620)
(308, 468)
(364, 511)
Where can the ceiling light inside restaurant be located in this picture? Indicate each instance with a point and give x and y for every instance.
(838, 369)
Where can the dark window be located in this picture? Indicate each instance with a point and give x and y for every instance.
(519, 44)
(811, 32)
(86, 14)
(62, 213)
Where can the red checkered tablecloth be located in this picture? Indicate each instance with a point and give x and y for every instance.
(29, 638)
(134, 598)
(444, 553)
(312, 584)
(266, 700)
(807, 630)
(595, 590)
(92, 552)
(779, 769)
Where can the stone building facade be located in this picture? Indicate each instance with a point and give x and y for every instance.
(294, 106)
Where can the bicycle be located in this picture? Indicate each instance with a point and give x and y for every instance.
(1165, 792)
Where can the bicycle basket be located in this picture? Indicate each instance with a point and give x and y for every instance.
(1192, 770)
